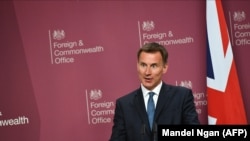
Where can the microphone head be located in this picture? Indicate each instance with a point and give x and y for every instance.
(143, 129)
(155, 127)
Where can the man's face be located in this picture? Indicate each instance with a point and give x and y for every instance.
(150, 68)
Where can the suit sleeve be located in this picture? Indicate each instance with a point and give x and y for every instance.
(118, 129)
(190, 115)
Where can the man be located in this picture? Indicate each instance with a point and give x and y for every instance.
(173, 104)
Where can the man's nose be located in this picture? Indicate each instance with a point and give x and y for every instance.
(148, 70)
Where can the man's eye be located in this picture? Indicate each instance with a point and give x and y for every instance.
(154, 66)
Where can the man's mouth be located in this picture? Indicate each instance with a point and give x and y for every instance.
(148, 79)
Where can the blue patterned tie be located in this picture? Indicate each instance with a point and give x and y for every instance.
(151, 109)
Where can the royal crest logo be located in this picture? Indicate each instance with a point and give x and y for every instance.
(58, 34)
(148, 25)
(187, 84)
(95, 94)
(239, 16)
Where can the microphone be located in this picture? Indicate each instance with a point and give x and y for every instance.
(155, 131)
(143, 131)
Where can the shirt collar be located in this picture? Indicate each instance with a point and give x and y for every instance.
(156, 90)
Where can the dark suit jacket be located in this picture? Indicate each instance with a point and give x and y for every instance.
(175, 106)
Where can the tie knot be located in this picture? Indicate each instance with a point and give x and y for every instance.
(151, 94)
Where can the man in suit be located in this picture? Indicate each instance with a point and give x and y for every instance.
(174, 105)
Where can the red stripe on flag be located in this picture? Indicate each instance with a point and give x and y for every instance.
(227, 106)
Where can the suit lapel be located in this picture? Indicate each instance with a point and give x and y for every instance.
(162, 100)
(140, 107)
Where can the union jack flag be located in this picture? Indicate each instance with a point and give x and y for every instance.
(225, 103)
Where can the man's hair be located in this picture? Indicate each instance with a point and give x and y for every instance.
(152, 48)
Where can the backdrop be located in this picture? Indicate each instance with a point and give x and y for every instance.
(64, 63)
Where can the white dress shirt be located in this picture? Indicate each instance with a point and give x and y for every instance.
(145, 92)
